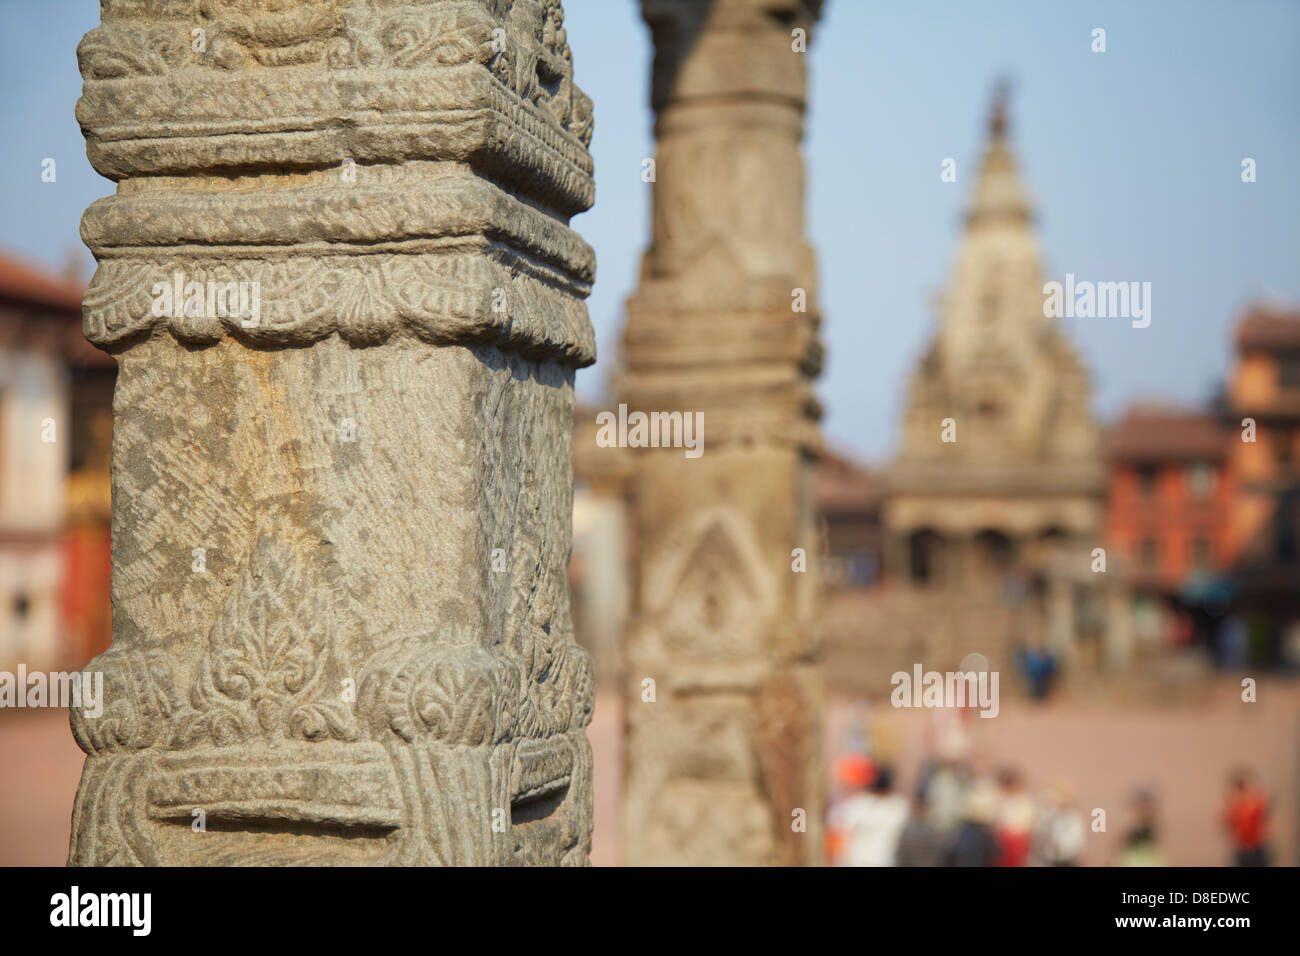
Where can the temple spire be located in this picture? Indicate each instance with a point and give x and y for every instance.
(999, 195)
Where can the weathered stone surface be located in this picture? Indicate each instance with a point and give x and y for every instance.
(371, 660)
(719, 765)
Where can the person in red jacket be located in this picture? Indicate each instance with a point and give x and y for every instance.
(1246, 817)
(1015, 819)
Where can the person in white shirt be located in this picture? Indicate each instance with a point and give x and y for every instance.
(871, 823)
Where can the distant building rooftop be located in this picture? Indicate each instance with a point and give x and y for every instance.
(1152, 433)
(1269, 328)
(26, 284)
(842, 484)
(48, 307)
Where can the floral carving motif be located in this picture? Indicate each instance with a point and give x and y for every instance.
(272, 669)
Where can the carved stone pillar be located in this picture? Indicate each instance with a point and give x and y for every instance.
(723, 766)
(341, 515)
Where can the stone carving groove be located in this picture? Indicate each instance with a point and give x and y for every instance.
(340, 677)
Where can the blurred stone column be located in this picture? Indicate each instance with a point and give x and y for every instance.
(1060, 624)
(341, 508)
(1119, 644)
(723, 766)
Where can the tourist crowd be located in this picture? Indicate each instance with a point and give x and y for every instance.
(957, 816)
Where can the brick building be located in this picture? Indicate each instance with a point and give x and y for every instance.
(1169, 503)
(1170, 495)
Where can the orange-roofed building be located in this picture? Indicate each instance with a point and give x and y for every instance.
(1168, 515)
(1171, 491)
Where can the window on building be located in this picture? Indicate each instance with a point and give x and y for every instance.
(923, 555)
(1149, 554)
(1288, 370)
(1200, 479)
(995, 552)
(1147, 475)
(1284, 448)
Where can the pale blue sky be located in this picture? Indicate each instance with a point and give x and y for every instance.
(1133, 158)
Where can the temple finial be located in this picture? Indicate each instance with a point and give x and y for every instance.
(998, 115)
(999, 194)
